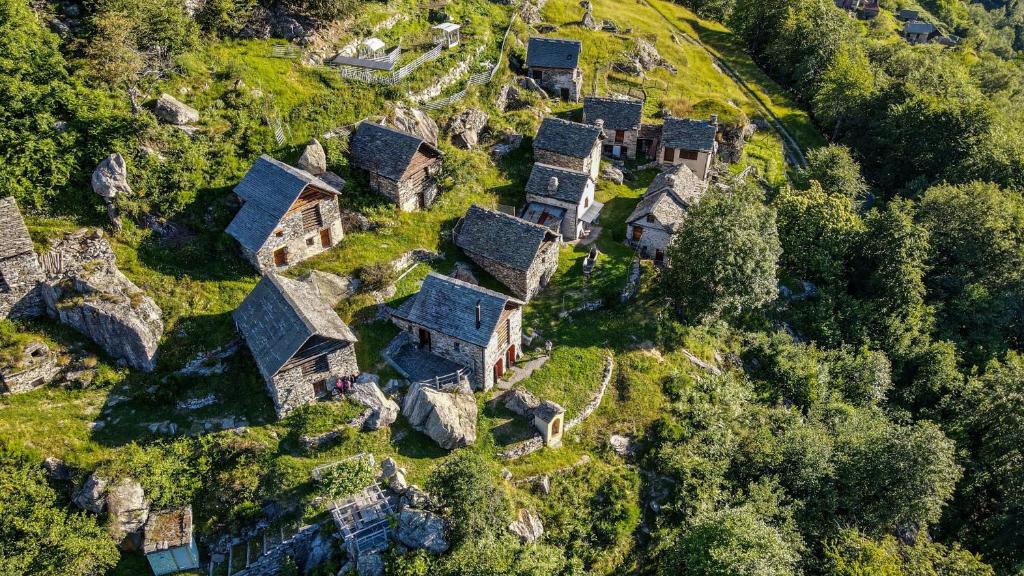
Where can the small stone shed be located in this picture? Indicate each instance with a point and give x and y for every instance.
(569, 145)
(562, 200)
(168, 542)
(20, 273)
(474, 327)
(689, 142)
(555, 64)
(520, 254)
(287, 215)
(300, 345)
(401, 166)
(620, 119)
(661, 212)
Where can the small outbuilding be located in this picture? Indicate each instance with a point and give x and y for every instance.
(561, 199)
(401, 166)
(689, 142)
(569, 145)
(917, 32)
(300, 345)
(555, 64)
(20, 273)
(37, 366)
(447, 34)
(661, 212)
(520, 254)
(620, 120)
(548, 419)
(168, 542)
(287, 215)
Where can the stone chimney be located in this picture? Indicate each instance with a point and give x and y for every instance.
(552, 183)
(478, 319)
(714, 120)
(599, 123)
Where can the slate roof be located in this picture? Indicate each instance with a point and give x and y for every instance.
(907, 14)
(548, 410)
(384, 150)
(269, 189)
(509, 240)
(279, 316)
(669, 197)
(553, 52)
(167, 529)
(618, 114)
(564, 137)
(571, 184)
(448, 306)
(688, 134)
(919, 28)
(12, 226)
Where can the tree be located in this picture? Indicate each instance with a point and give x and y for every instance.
(38, 537)
(113, 52)
(854, 554)
(465, 486)
(864, 376)
(834, 168)
(843, 88)
(817, 232)
(723, 261)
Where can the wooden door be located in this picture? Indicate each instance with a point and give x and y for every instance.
(499, 368)
(565, 93)
(670, 154)
(280, 257)
(510, 355)
(637, 233)
(425, 338)
(659, 256)
(325, 238)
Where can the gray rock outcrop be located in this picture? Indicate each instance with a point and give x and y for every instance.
(127, 510)
(370, 564)
(85, 290)
(110, 178)
(520, 401)
(647, 55)
(509, 143)
(530, 84)
(384, 411)
(612, 174)
(466, 126)
(734, 139)
(527, 526)
(92, 496)
(421, 530)
(448, 418)
(173, 111)
(464, 272)
(331, 287)
(313, 159)
(415, 121)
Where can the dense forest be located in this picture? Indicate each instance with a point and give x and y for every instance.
(869, 309)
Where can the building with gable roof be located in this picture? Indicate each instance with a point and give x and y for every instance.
(20, 273)
(520, 254)
(621, 120)
(287, 215)
(300, 345)
(689, 142)
(555, 64)
(478, 329)
(562, 200)
(168, 542)
(662, 210)
(569, 145)
(402, 166)
(918, 32)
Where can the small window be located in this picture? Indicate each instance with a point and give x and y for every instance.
(689, 154)
(670, 154)
(281, 257)
(650, 217)
(309, 241)
(279, 233)
(3, 284)
(321, 388)
(586, 201)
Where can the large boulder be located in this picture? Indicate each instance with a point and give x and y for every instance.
(127, 510)
(92, 496)
(171, 110)
(369, 563)
(449, 418)
(648, 57)
(466, 126)
(527, 526)
(530, 84)
(612, 174)
(313, 159)
(508, 99)
(520, 401)
(734, 138)
(331, 288)
(84, 289)
(384, 411)
(509, 143)
(421, 530)
(110, 178)
(415, 121)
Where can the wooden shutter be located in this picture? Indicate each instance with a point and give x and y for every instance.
(670, 154)
(311, 218)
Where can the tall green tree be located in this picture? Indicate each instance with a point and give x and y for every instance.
(818, 232)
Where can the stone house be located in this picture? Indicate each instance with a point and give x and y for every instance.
(402, 167)
(38, 365)
(300, 345)
(168, 542)
(476, 328)
(555, 64)
(562, 200)
(917, 32)
(521, 255)
(20, 273)
(287, 215)
(662, 210)
(689, 142)
(569, 145)
(620, 119)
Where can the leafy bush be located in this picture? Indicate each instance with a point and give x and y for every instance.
(377, 276)
(347, 477)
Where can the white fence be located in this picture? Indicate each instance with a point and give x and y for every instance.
(478, 79)
(391, 78)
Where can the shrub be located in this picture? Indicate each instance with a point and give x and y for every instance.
(377, 276)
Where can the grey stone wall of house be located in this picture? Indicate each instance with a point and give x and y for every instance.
(20, 275)
(38, 367)
(523, 283)
(589, 165)
(701, 166)
(654, 238)
(298, 243)
(629, 138)
(554, 80)
(289, 389)
(408, 194)
(469, 355)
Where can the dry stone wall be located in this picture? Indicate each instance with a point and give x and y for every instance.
(299, 244)
(290, 389)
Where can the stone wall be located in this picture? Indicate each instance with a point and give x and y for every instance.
(39, 366)
(469, 355)
(553, 80)
(20, 296)
(524, 284)
(653, 238)
(589, 165)
(299, 548)
(408, 194)
(289, 389)
(297, 241)
(628, 141)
